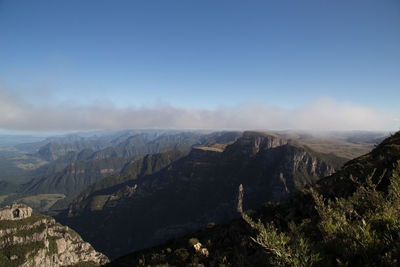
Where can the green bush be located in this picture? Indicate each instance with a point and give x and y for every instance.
(182, 254)
(360, 230)
(283, 250)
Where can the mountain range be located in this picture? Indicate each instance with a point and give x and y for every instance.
(178, 194)
(204, 199)
(349, 218)
(77, 162)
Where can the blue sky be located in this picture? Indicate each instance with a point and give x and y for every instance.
(201, 55)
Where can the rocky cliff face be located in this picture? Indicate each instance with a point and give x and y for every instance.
(38, 240)
(15, 212)
(253, 142)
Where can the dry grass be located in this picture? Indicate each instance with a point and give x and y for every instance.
(207, 148)
(337, 147)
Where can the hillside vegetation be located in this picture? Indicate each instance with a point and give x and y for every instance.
(351, 218)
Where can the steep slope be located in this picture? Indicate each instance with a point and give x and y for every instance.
(31, 239)
(69, 182)
(103, 189)
(351, 218)
(74, 178)
(195, 190)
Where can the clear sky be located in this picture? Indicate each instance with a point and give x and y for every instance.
(198, 57)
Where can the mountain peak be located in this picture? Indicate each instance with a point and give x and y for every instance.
(253, 142)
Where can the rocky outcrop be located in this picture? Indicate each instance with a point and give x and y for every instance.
(253, 142)
(38, 240)
(15, 212)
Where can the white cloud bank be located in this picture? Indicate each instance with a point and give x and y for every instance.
(322, 114)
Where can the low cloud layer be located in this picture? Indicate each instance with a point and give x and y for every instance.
(322, 114)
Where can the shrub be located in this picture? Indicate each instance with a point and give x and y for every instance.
(362, 229)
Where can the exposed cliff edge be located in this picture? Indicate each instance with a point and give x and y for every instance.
(32, 239)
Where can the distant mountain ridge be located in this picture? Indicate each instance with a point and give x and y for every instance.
(21, 162)
(74, 166)
(129, 144)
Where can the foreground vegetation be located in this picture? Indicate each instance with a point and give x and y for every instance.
(361, 230)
